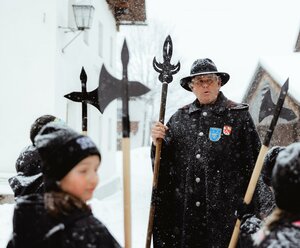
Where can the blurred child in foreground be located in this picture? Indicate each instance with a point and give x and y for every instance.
(61, 217)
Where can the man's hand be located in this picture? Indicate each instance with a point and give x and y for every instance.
(158, 132)
(243, 209)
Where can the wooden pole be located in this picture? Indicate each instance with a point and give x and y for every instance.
(165, 70)
(156, 165)
(260, 160)
(249, 193)
(126, 186)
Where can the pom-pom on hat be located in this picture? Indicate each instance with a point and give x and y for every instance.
(38, 124)
(286, 178)
(61, 148)
(203, 67)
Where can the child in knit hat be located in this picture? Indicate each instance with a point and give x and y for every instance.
(269, 163)
(29, 178)
(61, 217)
(283, 226)
(251, 224)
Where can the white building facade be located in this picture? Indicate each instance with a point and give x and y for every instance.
(36, 72)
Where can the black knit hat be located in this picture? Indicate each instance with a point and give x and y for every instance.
(203, 67)
(286, 178)
(29, 161)
(61, 148)
(269, 163)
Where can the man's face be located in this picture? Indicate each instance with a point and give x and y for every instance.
(206, 87)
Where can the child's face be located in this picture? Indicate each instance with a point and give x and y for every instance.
(82, 180)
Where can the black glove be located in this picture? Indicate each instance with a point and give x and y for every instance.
(250, 224)
(243, 209)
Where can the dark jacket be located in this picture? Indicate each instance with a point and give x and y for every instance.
(207, 159)
(29, 178)
(33, 227)
(251, 224)
(284, 235)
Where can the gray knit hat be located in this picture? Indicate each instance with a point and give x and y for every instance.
(286, 178)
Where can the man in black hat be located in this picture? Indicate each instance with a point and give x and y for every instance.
(209, 151)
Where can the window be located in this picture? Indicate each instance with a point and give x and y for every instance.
(100, 39)
(111, 52)
(86, 36)
(109, 140)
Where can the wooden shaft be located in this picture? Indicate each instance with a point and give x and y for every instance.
(150, 226)
(163, 101)
(235, 235)
(154, 192)
(162, 111)
(157, 162)
(249, 192)
(126, 196)
(255, 174)
(260, 159)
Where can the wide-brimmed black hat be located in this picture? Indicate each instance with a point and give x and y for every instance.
(203, 67)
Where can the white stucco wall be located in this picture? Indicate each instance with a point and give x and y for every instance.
(138, 112)
(36, 74)
(27, 57)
